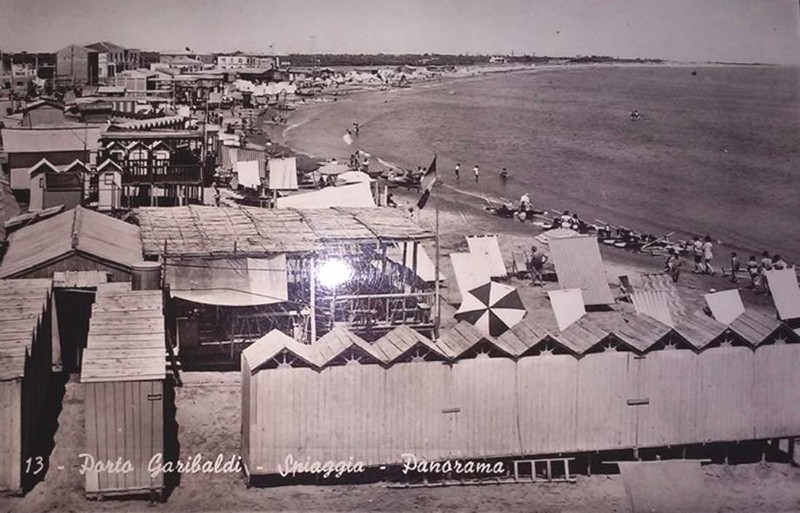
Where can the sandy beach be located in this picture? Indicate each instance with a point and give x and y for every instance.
(713, 154)
(317, 129)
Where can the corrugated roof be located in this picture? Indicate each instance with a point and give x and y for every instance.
(202, 230)
(79, 230)
(23, 303)
(579, 265)
(49, 140)
(654, 303)
(662, 283)
(127, 340)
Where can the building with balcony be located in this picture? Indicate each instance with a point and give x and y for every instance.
(159, 167)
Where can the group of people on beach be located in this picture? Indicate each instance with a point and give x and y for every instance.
(756, 269)
(476, 172)
(702, 251)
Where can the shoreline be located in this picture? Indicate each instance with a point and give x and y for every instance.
(468, 216)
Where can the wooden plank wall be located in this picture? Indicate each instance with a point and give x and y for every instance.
(548, 389)
(670, 381)
(124, 420)
(605, 383)
(79, 262)
(777, 390)
(495, 407)
(725, 409)
(11, 435)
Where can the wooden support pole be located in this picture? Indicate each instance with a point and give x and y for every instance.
(405, 268)
(414, 275)
(437, 302)
(313, 298)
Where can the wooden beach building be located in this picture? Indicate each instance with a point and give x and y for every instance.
(99, 247)
(127, 391)
(235, 274)
(510, 398)
(25, 378)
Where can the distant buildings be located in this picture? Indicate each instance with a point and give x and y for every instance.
(78, 65)
(239, 60)
(113, 58)
(95, 63)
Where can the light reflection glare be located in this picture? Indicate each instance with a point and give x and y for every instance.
(334, 273)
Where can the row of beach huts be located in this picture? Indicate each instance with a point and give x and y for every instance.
(360, 367)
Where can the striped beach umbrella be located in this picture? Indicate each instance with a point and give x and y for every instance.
(492, 308)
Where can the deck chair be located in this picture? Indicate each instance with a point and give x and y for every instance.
(625, 287)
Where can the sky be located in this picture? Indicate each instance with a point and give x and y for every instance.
(764, 31)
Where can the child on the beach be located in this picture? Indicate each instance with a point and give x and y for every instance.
(752, 271)
(458, 171)
(477, 171)
(735, 267)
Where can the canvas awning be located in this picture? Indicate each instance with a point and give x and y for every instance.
(356, 195)
(283, 174)
(228, 281)
(470, 272)
(785, 292)
(426, 270)
(726, 306)
(248, 174)
(487, 247)
(568, 306)
(354, 177)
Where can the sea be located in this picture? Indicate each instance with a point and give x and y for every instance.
(716, 150)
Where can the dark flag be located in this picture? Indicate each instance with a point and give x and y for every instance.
(426, 184)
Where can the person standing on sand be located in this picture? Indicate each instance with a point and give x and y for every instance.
(458, 171)
(708, 255)
(735, 267)
(752, 271)
(536, 266)
(697, 249)
(673, 265)
(477, 171)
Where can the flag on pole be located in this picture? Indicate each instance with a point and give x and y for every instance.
(426, 184)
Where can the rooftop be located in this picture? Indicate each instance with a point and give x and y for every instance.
(127, 340)
(78, 230)
(250, 231)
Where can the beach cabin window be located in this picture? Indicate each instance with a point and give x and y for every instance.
(137, 162)
(108, 179)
